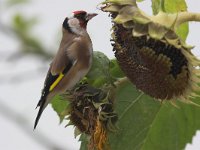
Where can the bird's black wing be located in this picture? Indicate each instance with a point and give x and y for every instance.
(50, 79)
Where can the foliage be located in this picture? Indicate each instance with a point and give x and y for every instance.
(101, 67)
(172, 6)
(60, 106)
(144, 123)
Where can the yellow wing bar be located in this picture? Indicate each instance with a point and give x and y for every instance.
(56, 82)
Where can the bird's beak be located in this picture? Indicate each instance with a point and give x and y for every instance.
(90, 16)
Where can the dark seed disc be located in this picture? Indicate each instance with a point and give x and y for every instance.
(155, 67)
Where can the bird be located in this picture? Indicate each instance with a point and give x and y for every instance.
(72, 61)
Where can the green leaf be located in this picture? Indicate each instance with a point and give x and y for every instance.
(183, 31)
(99, 73)
(173, 6)
(115, 70)
(146, 124)
(84, 142)
(143, 122)
(136, 113)
(175, 126)
(155, 6)
(60, 106)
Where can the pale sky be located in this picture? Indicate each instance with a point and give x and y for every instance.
(23, 96)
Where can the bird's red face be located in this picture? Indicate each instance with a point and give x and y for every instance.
(78, 21)
(83, 17)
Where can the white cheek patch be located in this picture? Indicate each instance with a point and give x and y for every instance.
(75, 26)
(73, 22)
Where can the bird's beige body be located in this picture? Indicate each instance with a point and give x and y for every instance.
(72, 48)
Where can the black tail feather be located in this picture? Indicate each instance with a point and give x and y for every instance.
(41, 109)
(39, 104)
(50, 79)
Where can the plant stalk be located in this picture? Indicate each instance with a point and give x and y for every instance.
(184, 17)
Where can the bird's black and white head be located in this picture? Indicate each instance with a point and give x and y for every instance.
(77, 22)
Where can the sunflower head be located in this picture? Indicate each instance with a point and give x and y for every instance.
(92, 113)
(150, 52)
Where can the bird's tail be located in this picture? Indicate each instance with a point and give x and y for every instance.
(42, 104)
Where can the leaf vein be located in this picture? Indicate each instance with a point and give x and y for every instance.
(132, 103)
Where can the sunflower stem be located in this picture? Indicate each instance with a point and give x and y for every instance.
(184, 17)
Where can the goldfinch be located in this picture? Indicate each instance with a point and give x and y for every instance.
(72, 61)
